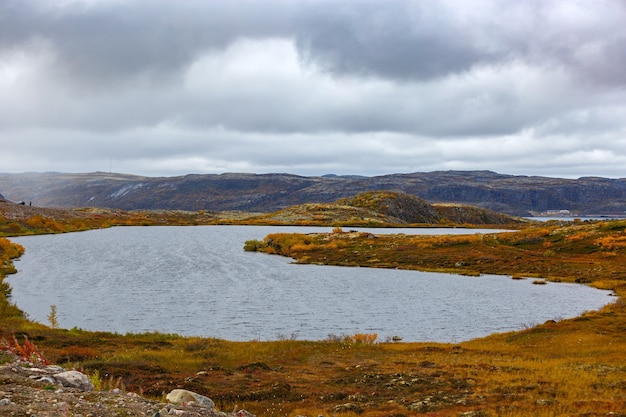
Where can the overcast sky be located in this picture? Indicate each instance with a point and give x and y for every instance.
(310, 87)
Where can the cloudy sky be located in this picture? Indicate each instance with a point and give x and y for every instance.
(310, 87)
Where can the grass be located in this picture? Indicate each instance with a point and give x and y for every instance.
(574, 367)
(586, 252)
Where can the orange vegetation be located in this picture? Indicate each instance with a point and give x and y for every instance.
(582, 252)
(574, 367)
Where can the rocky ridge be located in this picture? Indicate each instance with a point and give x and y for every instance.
(511, 194)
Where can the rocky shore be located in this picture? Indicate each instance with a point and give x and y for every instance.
(29, 390)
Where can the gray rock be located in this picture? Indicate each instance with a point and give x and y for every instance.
(179, 396)
(5, 401)
(47, 379)
(343, 408)
(75, 379)
(477, 413)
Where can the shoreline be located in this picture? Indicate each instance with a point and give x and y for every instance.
(263, 329)
(567, 367)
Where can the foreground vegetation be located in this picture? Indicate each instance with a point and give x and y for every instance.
(574, 367)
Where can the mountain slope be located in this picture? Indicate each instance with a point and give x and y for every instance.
(516, 195)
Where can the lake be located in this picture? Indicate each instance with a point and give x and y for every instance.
(198, 281)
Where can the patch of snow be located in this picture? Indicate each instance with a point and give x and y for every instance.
(126, 189)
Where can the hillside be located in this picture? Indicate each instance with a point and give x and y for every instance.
(515, 195)
(404, 207)
(383, 209)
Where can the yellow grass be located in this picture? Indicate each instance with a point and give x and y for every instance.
(574, 367)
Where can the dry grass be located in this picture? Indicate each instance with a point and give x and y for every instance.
(574, 367)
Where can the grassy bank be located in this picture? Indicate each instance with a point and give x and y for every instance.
(583, 252)
(574, 367)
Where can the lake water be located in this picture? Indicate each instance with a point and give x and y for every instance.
(198, 281)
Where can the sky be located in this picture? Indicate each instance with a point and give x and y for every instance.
(313, 87)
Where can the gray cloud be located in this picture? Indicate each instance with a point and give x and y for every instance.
(407, 40)
(103, 43)
(402, 39)
(410, 40)
(313, 86)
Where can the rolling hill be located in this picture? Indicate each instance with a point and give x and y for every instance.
(386, 208)
(515, 195)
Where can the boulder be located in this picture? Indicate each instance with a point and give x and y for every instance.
(179, 396)
(74, 379)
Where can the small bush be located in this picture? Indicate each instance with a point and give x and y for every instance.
(52, 317)
(27, 352)
(253, 245)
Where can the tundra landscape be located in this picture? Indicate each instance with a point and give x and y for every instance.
(498, 125)
(565, 367)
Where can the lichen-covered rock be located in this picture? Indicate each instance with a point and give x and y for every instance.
(23, 392)
(74, 379)
(180, 396)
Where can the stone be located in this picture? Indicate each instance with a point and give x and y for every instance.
(5, 401)
(179, 396)
(343, 408)
(75, 379)
(47, 379)
(476, 413)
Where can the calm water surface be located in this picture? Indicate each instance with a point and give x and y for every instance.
(197, 281)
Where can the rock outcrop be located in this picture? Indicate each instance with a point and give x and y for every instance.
(36, 390)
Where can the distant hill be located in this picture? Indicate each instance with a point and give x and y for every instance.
(384, 207)
(404, 207)
(515, 195)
